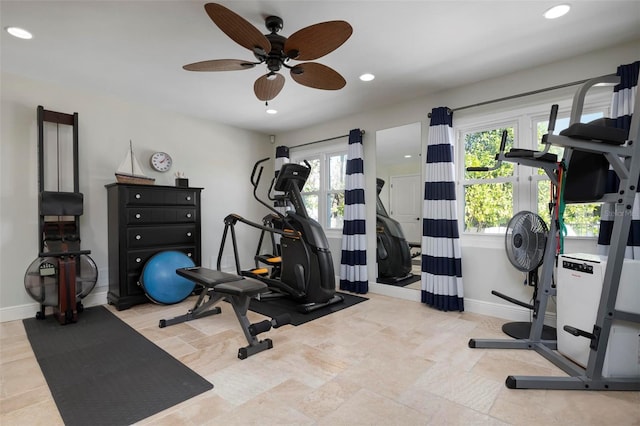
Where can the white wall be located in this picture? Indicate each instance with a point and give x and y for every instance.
(219, 158)
(485, 266)
(213, 156)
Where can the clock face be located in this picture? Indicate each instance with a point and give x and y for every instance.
(161, 161)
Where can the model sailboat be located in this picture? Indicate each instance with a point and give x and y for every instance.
(131, 172)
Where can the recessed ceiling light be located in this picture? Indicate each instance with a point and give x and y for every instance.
(367, 77)
(271, 111)
(407, 156)
(557, 11)
(19, 33)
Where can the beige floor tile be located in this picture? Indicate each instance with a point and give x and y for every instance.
(366, 407)
(385, 361)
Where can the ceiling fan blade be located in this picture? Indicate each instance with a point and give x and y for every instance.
(237, 28)
(318, 76)
(317, 40)
(220, 65)
(268, 86)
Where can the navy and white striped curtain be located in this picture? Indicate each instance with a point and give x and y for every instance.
(622, 110)
(353, 263)
(441, 259)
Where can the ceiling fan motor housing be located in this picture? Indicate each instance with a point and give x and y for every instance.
(276, 56)
(273, 23)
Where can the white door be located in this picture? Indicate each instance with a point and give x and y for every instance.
(405, 199)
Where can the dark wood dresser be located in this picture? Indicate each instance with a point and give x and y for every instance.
(142, 221)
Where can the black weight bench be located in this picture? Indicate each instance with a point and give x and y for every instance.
(238, 291)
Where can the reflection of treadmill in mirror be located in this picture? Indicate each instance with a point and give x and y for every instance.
(393, 254)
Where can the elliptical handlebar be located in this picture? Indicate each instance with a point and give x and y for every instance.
(255, 181)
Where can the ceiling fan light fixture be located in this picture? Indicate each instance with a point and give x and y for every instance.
(19, 33)
(271, 76)
(367, 77)
(557, 11)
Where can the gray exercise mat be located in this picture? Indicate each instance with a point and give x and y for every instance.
(102, 372)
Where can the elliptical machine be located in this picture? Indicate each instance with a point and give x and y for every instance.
(304, 271)
(392, 251)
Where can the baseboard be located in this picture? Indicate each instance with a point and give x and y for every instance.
(498, 310)
(29, 310)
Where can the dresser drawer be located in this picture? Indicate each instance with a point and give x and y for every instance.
(136, 259)
(149, 215)
(160, 235)
(159, 196)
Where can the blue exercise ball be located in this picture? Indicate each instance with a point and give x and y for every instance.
(160, 281)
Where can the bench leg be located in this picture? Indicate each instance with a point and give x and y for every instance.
(200, 310)
(240, 306)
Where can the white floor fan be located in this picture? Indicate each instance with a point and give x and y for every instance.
(525, 243)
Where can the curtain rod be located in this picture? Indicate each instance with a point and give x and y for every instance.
(324, 140)
(520, 95)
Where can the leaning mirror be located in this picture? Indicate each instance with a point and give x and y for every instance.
(399, 204)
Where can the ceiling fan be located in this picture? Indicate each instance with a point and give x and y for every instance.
(276, 51)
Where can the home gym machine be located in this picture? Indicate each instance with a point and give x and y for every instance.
(392, 249)
(63, 274)
(305, 272)
(589, 149)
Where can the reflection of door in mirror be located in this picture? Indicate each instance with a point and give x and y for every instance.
(399, 165)
(405, 203)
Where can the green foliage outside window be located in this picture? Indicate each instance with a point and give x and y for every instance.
(488, 206)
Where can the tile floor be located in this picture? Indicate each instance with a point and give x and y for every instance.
(386, 361)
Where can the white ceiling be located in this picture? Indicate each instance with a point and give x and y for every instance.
(135, 50)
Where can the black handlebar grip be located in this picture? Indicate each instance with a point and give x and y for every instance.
(477, 169)
(503, 141)
(577, 332)
(571, 330)
(255, 167)
(552, 118)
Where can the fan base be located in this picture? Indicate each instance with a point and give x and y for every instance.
(521, 330)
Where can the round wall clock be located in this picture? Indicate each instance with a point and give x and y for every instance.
(161, 161)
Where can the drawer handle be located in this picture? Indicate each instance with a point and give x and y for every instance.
(188, 234)
(138, 215)
(188, 197)
(138, 196)
(138, 260)
(138, 237)
(189, 215)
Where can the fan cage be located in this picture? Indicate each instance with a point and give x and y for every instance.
(525, 240)
(42, 276)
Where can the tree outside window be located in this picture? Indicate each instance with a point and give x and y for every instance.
(488, 196)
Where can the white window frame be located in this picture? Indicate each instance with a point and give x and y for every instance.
(323, 153)
(525, 179)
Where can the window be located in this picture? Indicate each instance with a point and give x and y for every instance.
(323, 193)
(491, 198)
(488, 196)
